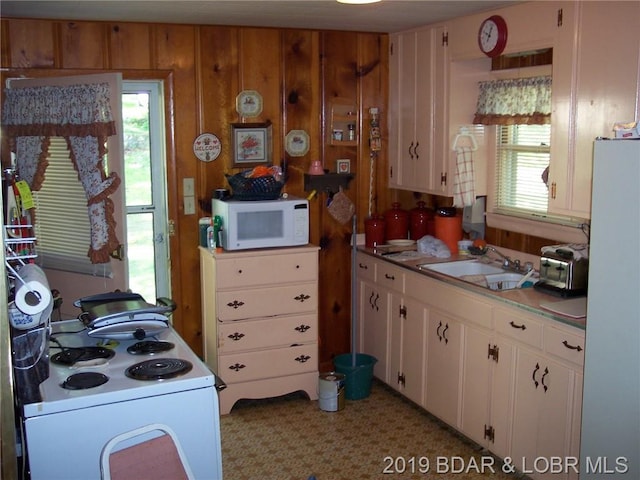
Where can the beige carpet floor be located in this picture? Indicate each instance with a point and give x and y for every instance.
(382, 436)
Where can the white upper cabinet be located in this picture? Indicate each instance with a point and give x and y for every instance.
(595, 84)
(418, 110)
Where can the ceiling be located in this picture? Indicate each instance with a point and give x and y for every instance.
(385, 16)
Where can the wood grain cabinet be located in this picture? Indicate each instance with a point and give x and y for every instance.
(260, 321)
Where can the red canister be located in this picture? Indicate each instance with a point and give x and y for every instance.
(421, 222)
(449, 230)
(397, 222)
(374, 231)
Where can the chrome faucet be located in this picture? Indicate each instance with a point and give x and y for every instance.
(512, 265)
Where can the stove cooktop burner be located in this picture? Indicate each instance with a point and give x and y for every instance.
(149, 347)
(84, 380)
(159, 369)
(71, 356)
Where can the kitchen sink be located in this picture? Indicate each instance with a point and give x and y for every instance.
(462, 268)
(478, 273)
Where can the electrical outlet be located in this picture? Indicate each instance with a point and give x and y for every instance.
(188, 187)
(189, 205)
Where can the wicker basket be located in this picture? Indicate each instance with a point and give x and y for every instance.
(259, 188)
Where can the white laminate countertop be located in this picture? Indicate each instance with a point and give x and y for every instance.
(528, 299)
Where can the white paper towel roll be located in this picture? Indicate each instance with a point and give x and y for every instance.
(32, 295)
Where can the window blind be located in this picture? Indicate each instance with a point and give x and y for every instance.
(522, 157)
(62, 222)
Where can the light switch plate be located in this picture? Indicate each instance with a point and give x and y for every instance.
(188, 187)
(189, 205)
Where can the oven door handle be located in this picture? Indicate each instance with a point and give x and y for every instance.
(219, 383)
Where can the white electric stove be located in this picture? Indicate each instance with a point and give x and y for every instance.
(87, 401)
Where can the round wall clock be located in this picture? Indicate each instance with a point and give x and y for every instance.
(492, 36)
(207, 147)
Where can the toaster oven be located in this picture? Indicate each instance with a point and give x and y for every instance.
(563, 274)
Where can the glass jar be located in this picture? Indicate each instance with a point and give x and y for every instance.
(374, 231)
(397, 223)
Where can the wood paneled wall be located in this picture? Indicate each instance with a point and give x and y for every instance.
(297, 72)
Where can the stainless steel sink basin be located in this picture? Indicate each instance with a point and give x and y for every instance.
(462, 268)
(477, 273)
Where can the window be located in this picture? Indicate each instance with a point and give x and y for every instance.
(63, 239)
(522, 159)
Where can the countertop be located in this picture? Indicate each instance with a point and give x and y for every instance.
(528, 299)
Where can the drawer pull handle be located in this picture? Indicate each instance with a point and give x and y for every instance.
(364, 266)
(303, 358)
(514, 325)
(302, 297)
(375, 302)
(535, 370)
(444, 332)
(302, 328)
(546, 372)
(235, 304)
(237, 366)
(438, 331)
(571, 347)
(236, 336)
(389, 277)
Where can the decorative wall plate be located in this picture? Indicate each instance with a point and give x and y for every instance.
(206, 147)
(249, 103)
(297, 143)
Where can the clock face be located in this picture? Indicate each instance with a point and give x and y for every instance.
(492, 36)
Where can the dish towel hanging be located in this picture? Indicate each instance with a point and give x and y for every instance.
(464, 182)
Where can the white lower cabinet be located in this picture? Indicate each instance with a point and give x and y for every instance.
(260, 334)
(443, 366)
(507, 378)
(374, 326)
(407, 357)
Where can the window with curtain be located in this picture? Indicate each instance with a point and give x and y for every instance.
(521, 111)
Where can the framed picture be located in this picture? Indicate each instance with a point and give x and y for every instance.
(343, 165)
(250, 144)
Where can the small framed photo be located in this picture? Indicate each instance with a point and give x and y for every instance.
(250, 144)
(343, 165)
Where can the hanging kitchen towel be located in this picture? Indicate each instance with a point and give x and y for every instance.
(341, 207)
(464, 182)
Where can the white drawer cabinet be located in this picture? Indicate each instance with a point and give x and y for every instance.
(260, 321)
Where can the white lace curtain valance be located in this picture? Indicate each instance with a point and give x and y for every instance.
(82, 115)
(523, 101)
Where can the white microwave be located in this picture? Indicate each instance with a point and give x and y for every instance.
(262, 224)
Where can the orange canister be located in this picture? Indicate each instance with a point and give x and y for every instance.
(449, 230)
(374, 231)
(420, 222)
(397, 222)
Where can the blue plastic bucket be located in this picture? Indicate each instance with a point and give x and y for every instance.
(357, 378)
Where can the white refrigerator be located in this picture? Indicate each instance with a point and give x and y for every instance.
(610, 439)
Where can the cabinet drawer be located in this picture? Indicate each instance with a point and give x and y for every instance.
(390, 276)
(520, 327)
(267, 333)
(264, 270)
(267, 302)
(244, 367)
(563, 344)
(366, 267)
